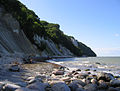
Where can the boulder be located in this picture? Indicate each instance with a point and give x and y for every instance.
(14, 68)
(105, 76)
(102, 86)
(11, 87)
(91, 87)
(73, 86)
(60, 87)
(58, 72)
(37, 86)
(115, 83)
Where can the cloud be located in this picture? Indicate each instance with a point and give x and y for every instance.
(107, 51)
(117, 35)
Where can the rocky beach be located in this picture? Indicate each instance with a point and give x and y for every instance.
(16, 75)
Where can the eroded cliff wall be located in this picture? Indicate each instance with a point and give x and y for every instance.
(12, 38)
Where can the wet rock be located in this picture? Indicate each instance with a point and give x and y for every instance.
(105, 76)
(91, 87)
(11, 87)
(37, 86)
(60, 87)
(115, 83)
(57, 72)
(14, 68)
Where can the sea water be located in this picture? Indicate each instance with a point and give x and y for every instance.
(98, 64)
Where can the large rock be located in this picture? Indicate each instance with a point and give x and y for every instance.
(102, 86)
(37, 86)
(73, 86)
(11, 87)
(60, 87)
(115, 83)
(76, 84)
(91, 87)
(105, 76)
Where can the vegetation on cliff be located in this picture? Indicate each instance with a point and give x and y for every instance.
(31, 25)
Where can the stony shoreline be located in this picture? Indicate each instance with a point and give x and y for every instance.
(45, 76)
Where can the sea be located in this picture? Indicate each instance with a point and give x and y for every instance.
(94, 64)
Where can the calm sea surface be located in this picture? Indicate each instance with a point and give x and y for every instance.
(105, 64)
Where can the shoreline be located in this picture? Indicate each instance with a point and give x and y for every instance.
(53, 77)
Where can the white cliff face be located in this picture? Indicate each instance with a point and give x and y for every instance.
(75, 42)
(12, 38)
(52, 48)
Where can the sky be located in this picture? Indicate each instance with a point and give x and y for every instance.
(95, 23)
